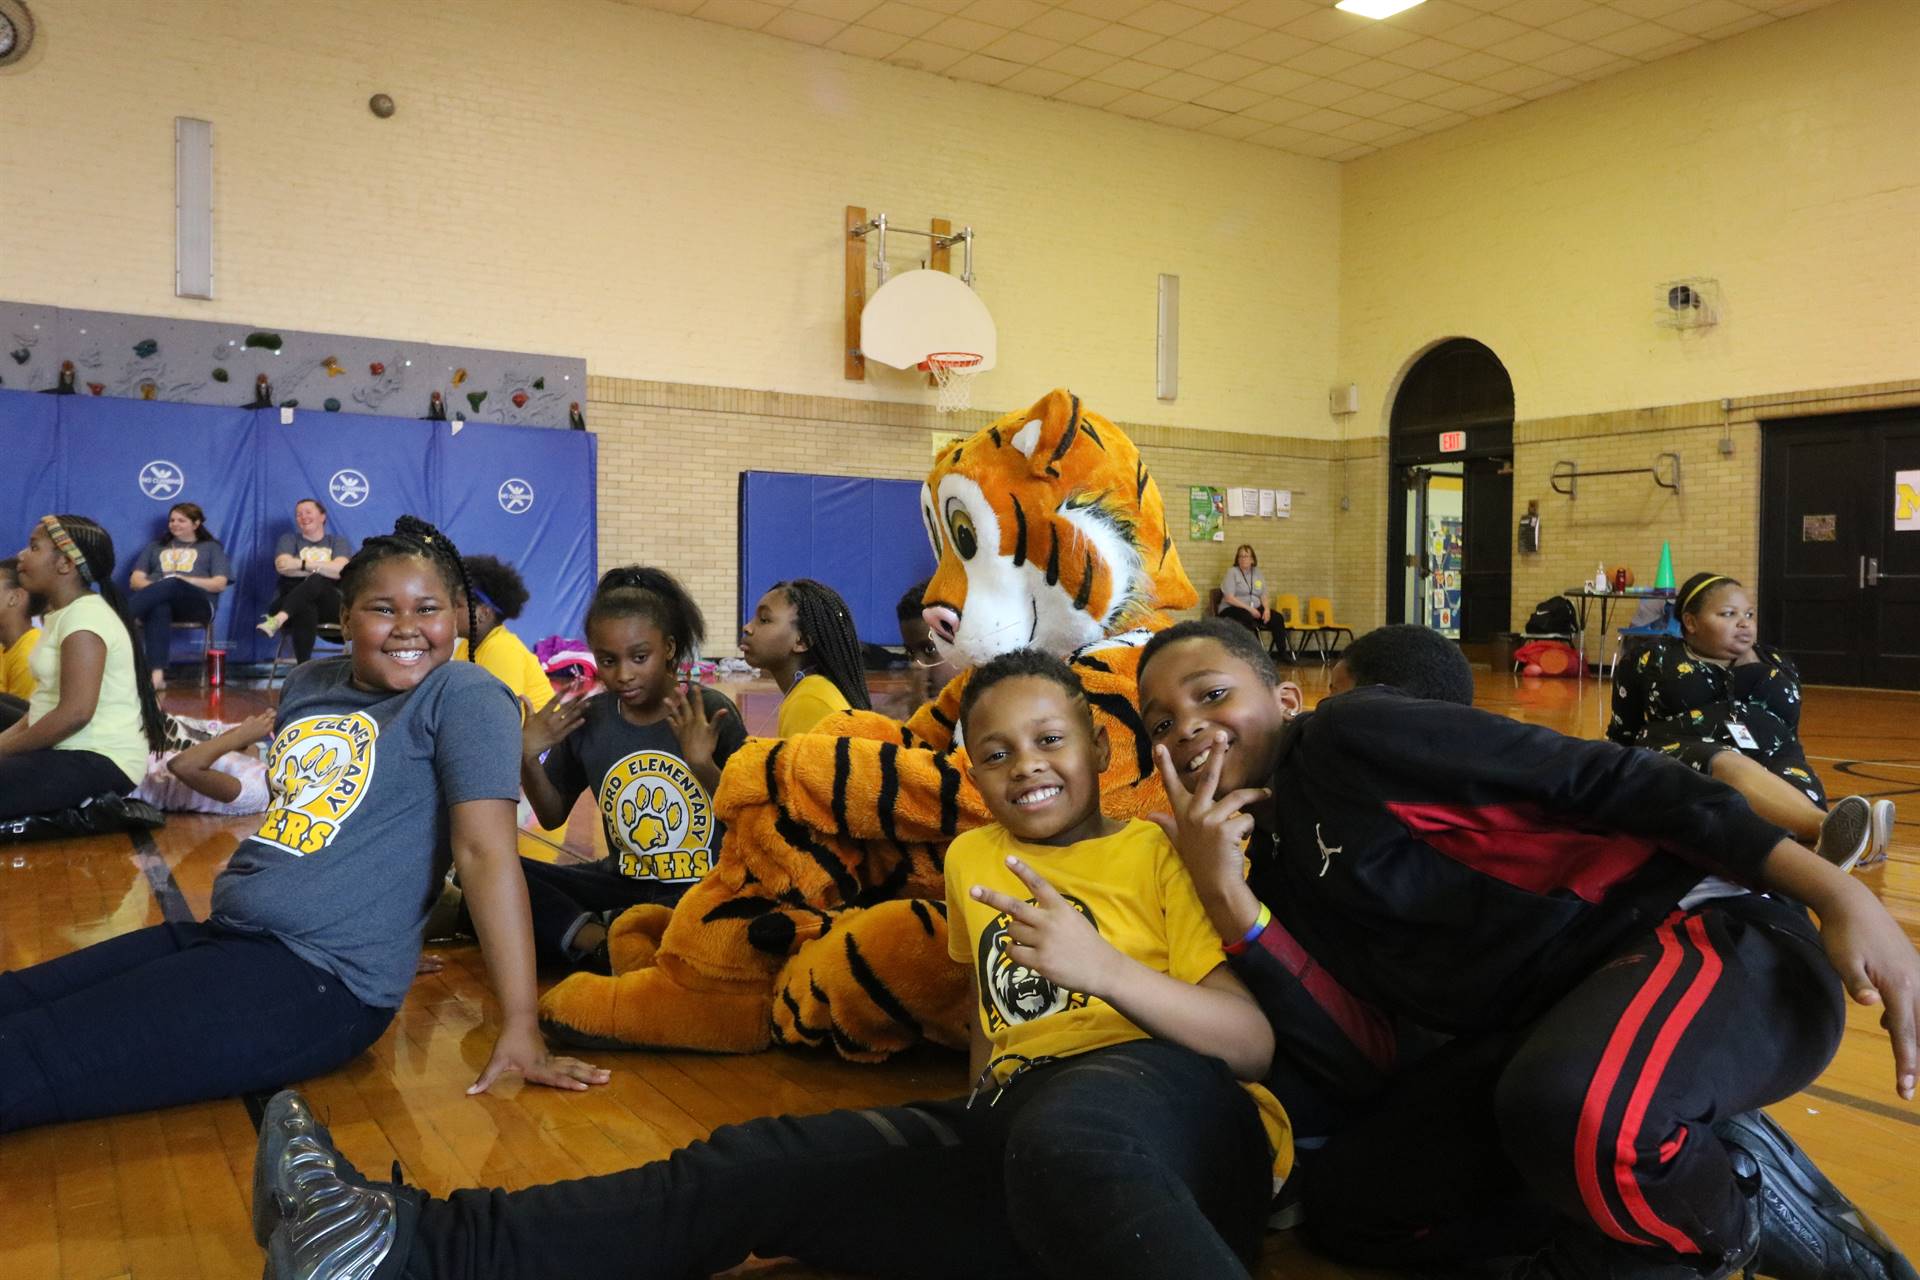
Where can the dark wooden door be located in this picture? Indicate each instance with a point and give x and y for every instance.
(1486, 577)
(1840, 586)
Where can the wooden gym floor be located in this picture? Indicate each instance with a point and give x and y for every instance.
(166, 1194)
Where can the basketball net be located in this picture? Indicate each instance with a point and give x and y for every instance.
(953, 374)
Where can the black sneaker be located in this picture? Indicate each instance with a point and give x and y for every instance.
(1585, 1254)
(1809, 1230)
(1847, 833)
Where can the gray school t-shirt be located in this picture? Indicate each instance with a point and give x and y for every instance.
(351, 853)
(185, 560)
(329, 546)
(657, 817)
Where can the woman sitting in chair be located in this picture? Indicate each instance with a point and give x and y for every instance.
(309, 561)
(177, 578)
(1724, 705)
(1243, 592)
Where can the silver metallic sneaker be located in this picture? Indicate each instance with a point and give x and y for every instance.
(331, 1228)
(1847, 833)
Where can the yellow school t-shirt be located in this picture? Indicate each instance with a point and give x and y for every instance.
(115, 730)
(503, 654)
(16, 677)
(1134, 890)
(809, 702)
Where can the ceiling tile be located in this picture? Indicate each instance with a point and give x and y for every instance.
(1222, 33)
(1214, 7)
(1445, 122)
(1478, 33)
(1280, 110)
(964, 33)
(807, 28)
(1003, 13)
(1682, 45)
(1324, 26)
(1076, 61)
(1571, 62)
(1234, 126)
(1634, 41)
(1276, 46)
(1325, 120)
(1174, 54)
(1038, 81)
(981, 69)
(865, 42)
(1525, 48)
(845, 10)
(1538, 13)
(1317, 146)
(1705, 16)
(1370, 74)
(1271, 13)
(1463, 97)
(1376, 40)
(1022, 47)
(1164, 17)
(1499, 102)
(1422, 54)
(901, 19)
(1471, 67)
(1419, 86)
(1231, 97)
(1518, 79)
(1129, 74)
(1225, 66)
(1651, 10)
(945, 8)
(1365, 130)
(1189, 116)
(1120, 41)
(924, 55)
(1063, 25)
(1606, 69)
(1141, 106)
(1592, 24)
(1433, 17)
(1105, 10)
(1549, 89)
(1324, 61)
(1323, 93)
(1276, 80)
(1735, 28)
(748, 14)
(1090, 93)
(682, 8)
(1413, 114)
(1371, 105)
(1182, 86)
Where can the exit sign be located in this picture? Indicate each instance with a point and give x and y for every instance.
(1453, 442)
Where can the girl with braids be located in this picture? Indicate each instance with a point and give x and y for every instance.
(1724, 704)
(92, 718)
(802, 635)
(499, 593)
(650, 748)
(384, 763)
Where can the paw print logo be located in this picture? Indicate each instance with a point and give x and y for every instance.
(651, 815)
(1684, 668)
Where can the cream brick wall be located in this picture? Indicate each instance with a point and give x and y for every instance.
(1780, 161)
(660, 195)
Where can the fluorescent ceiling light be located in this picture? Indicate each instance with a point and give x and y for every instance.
(1376, 8)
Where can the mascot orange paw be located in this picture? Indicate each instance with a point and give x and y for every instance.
(650, 1009)
(635, 936)
(878, 982)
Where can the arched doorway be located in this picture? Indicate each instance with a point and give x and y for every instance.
(1450, 504)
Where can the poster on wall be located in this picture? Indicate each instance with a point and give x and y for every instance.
(1283, 503)
(1906, 501)
(1205, 507)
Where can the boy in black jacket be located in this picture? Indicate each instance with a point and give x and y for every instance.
(1572, 914)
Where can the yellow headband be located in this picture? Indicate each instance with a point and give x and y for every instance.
(1718, 577)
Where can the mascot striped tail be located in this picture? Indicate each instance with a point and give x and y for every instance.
(824, 918)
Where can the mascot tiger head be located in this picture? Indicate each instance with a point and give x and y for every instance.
(1049, 533)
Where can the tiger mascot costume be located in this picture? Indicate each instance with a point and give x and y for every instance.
(823, 920)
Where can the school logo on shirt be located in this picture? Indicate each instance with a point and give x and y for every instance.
(1011, 992)
(319, 768)
(658, 817)
(178, 559)
(311, 556)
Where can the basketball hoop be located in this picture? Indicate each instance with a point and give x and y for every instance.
(953, 374)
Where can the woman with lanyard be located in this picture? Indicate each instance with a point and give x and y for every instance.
(1723, 704)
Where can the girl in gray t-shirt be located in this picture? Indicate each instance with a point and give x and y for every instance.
(385, 765)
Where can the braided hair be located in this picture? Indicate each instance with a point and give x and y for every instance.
(411, 536)
(833, 647)
(96, 545)
(641, 591)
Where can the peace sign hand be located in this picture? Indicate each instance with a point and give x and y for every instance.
(1210, 833)
(1052, 937)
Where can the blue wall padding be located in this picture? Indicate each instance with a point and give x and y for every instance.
(125, 462)
(863, 538)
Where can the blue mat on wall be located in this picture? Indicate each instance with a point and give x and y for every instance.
(524, 494)
(863, 538)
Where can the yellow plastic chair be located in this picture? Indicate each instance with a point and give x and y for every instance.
(1326, 627)
(1286, 610)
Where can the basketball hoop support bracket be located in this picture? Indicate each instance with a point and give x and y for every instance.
(859, 226)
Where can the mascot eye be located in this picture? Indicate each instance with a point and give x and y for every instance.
(964, 539)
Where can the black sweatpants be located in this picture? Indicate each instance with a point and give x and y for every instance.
(1143, 1159)
(51, 780)
(169, 1014)
(307, 602)
(563, 896)
(1598, 1113)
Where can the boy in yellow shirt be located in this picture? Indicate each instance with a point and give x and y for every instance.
(1111, 1136)
(18, 636)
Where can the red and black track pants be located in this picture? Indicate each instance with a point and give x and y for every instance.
(1600, 1112)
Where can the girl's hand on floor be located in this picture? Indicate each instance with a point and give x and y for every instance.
(523, 1050)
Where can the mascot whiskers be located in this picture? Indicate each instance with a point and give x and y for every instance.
(823, 920)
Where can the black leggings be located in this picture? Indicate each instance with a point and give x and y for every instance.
(51, 780)
(156, 606)
(307, 602)
(1139, 1160)
(1598, 1114)
(563, 896)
